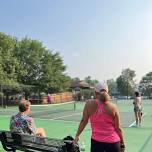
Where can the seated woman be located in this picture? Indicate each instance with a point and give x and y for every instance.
(22, 123)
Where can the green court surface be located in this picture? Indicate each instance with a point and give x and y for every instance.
(60, 122)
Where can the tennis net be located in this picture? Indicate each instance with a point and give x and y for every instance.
(39, 110)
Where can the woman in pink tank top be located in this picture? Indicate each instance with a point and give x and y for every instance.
(104, 118)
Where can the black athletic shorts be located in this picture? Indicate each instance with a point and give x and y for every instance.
(104, 147)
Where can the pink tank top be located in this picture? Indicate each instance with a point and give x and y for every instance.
(102, 125)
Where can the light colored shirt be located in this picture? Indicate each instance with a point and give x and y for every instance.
(137, 102)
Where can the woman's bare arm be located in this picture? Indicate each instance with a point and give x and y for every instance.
(118, 125)
(83, 122)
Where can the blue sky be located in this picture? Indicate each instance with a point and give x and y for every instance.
(96, 38)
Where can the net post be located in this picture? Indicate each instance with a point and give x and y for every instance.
(74, 105)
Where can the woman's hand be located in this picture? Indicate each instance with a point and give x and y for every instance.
(76, 139)
(122, 149)
(122, 146)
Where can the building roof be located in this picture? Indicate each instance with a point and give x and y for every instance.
(79, 84)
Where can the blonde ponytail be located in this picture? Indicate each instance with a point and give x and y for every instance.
(104, 96)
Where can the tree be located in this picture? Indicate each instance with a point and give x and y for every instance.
(145, 85)
(126, 82)
(29, 54)
(90, 81)
(8, 62)
(76, 79)
(52, 73)
(8, 66)
(112, 85)
(28, 62)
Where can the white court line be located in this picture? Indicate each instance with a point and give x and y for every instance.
(7, 116)
(54, 104)
(57, 118)
(135, 121)
(132, 124)
(66, 116)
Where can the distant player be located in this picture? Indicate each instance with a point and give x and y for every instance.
(49, 99)
(137, 108)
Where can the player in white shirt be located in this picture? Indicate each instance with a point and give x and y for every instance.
(137, 108)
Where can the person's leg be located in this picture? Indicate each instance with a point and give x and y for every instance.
(139, 116)
(136, 117)
(40, 132)
(113, 147)
(97, 146)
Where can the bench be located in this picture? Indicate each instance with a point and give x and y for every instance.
(30, 143)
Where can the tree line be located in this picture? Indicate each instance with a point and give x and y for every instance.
(126, 84)
(27, 62)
